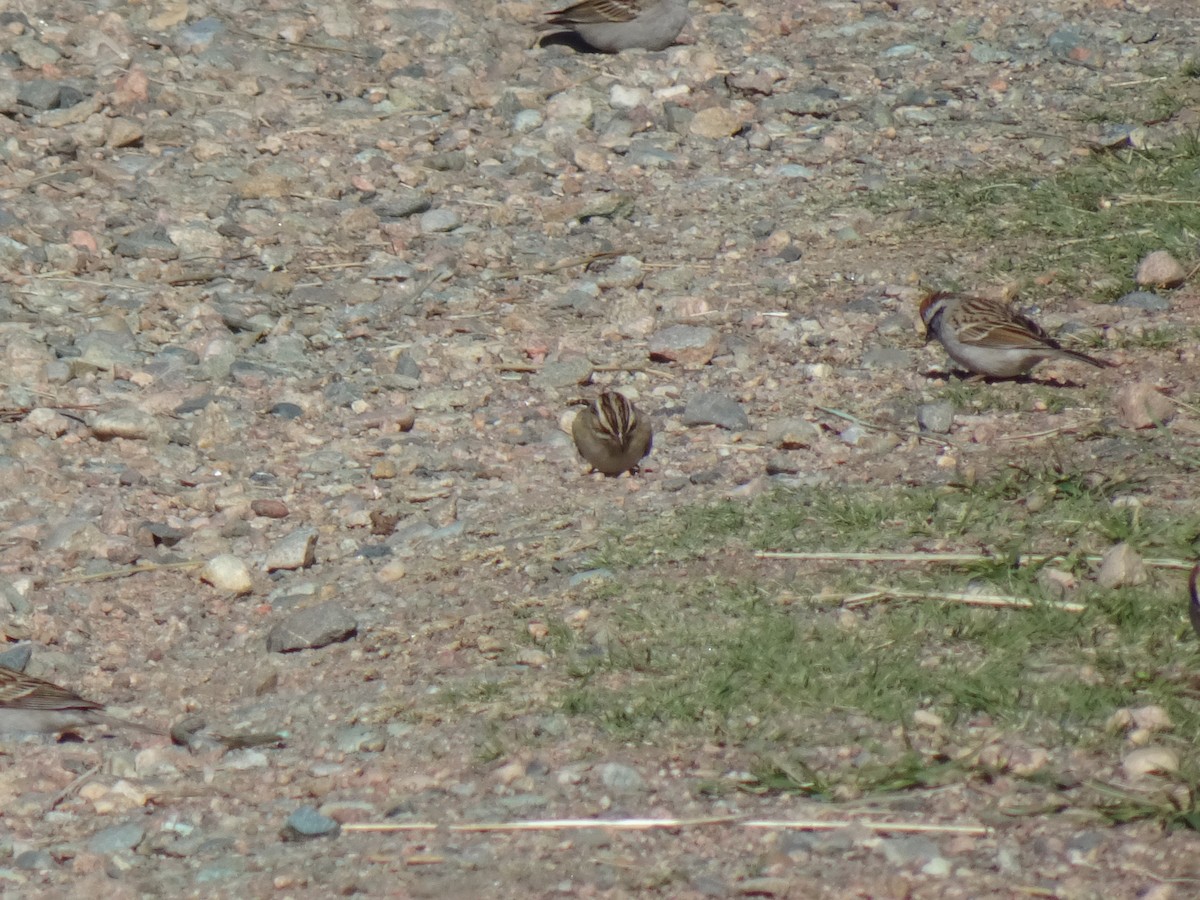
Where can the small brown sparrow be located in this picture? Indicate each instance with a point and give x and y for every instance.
(31, 704)
(1194, 605)
(611, 434)
(615, 25)
(990, 338)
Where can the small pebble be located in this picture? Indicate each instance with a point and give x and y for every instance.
(227, 572)
(306, 824)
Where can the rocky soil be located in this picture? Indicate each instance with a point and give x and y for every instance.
(296, 299)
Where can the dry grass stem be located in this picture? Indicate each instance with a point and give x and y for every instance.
(649, 824)
(947, 558)
(127, 571)
(997, 601)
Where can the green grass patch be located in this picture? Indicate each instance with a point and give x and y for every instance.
(696, 639)
(1089, 224)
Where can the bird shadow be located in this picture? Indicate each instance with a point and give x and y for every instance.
(965, 376)
(569, 39)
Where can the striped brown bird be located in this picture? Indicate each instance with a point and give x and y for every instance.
(31, 704)
(615, 25)
(612, 435)
(990, 338)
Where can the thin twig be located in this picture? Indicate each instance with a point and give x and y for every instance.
(1137, 82)
(70, 279)
(1180, 403)
(546, 825)
(893, 827)
(566, 264)
(1126, 199)
(72, 787)
(284, 43)
(342, 265)
(190, 90)
(919, 435)
(531, 369)
(950, 558)
(127, 571)
(648, 824)
(995, 601)
(644, 370)
(877, 557)
(1061, 429)
(435, 276)
(1136, 232)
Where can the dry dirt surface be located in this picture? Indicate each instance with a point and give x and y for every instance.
(308, 289)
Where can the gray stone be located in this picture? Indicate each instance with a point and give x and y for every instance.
(895, 323)
(1066, 42)
(524, 804)
(286, 411)
(985, 53)
(801, 103)
(625, 272)
(902, 851)
(33, 53)
(130, 423)
(12, 251)
(590, 575)
(35, 860)
(935, 417)
(792, 433)
(9, 90)
(450, 161)
(197, 37)
(453, 530)
(783, 464)
(23, 358)
(690, 345)
(852, 435)
(296, 551)
(359, 739)
(17, 658)
(306, 823)
(408, 367)
(104, 351)
(620, 778)
(343, 393)
(715, 409)
(116, 838)
(607, 205)
(1114, 136)
(148, 242)
(795, 170)
(244, 760)
(312, 628)
(219, 871)
(40, 94)
(1147, 300)
(570, 372)
(887, 358)
(440, 220)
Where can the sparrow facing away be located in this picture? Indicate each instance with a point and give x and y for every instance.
(616, 25)
(990, 338)
(31, 704)
(1194, 605)
(611, 434)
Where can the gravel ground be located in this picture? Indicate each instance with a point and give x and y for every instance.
(307, 290)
